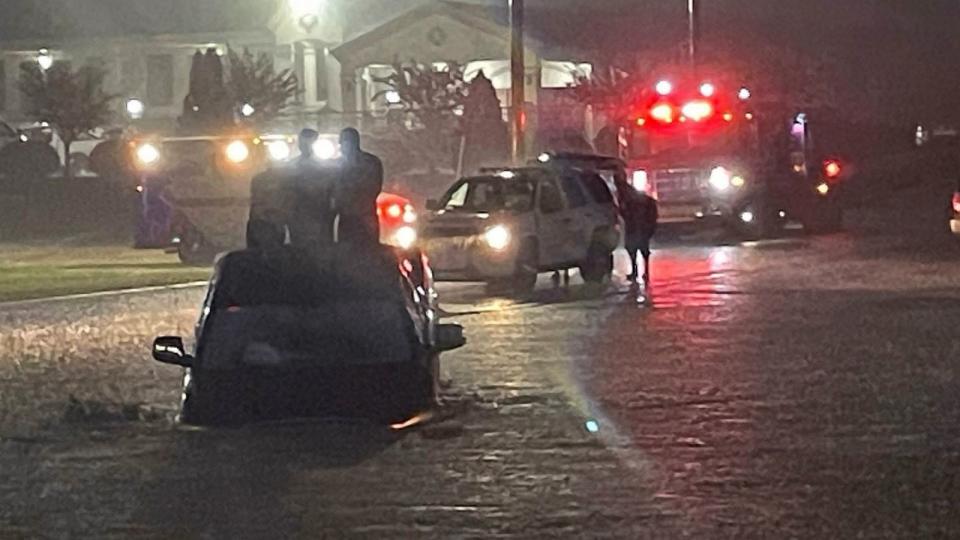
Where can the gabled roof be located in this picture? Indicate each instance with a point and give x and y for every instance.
(474, 16)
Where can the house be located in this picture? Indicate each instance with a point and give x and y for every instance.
(146, 48)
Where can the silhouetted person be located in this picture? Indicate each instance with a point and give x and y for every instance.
(361, 182)
(640, 215)
(310, 195)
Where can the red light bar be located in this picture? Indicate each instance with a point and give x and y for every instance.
(662, 112)
(698, 111)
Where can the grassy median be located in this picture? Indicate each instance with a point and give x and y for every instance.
(30, 272)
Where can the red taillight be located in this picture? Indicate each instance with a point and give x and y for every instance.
(394, 211)
(698, 111)
(832, 169)
(956, 202)
(662, 112)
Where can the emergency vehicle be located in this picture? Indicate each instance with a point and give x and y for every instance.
(706, 153)
(195, 191)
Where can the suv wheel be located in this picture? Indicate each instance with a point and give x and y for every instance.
(598, 265)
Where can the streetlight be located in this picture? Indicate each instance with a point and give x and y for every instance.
(247, 110)
(135, 108)
(306, 13)
(44, 59)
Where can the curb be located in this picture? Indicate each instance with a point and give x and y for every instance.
(100, 294)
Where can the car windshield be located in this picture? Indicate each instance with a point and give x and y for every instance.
(490, 194)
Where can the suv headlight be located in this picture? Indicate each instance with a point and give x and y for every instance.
(497, 237)
(278, 150)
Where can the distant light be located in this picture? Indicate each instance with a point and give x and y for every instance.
(640, 180)
(832, 169)
(823, 189)
(782, 214)
(662, 112)
(744, 94)
(24, 138)
(392, 97)
(247, 110)
(748, 116)
(641, 121)
(737, 181)
(664, 88)
(543, 158)
(746, 217)
(720, 179)
(728, 117)
(324, 149)
(406, 237)
(148, 154)
(592, 426)
(698, 110)
(237, 151)
(278, 150)
(44, 59)
(708, 90)
(507, 174)
(135, 108)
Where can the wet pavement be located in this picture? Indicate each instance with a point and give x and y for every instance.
(795, 388)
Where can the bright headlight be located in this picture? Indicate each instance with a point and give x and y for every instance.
(238, 151)
(720, 179)
(278, 150)
(324, 149)
(497, 237)
(148, 154)
(405, 237)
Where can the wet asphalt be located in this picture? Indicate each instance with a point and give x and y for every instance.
(794, 388)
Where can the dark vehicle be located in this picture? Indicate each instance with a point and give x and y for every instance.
(510, 224)
(704, 152)
(299, 335)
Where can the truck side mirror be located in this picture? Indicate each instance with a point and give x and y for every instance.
(433, 205)
(170, 350)
(449, 337)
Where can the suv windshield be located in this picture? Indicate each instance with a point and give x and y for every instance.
(490, 194)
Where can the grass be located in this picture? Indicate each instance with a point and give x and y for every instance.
(31, 272)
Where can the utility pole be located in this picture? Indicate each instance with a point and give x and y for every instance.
(517, 83)
(693, 10)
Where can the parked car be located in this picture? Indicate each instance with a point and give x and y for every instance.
(506, 226)
(346, 333)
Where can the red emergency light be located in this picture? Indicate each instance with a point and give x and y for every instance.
(698, 110)
(663, 112)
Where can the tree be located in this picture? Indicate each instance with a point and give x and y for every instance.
(257, 90)
(72, 102)
(207, 106)
(432, 97)
(485, 135)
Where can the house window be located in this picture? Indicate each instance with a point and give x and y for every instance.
(160, 80)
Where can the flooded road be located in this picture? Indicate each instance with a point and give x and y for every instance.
(797, 388)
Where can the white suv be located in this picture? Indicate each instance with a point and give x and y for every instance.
(507, 226)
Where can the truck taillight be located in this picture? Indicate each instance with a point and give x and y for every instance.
(698, 110)
(956, 202)
(662, 112)
(832, 169)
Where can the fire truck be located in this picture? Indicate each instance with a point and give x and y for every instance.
(708, 151)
